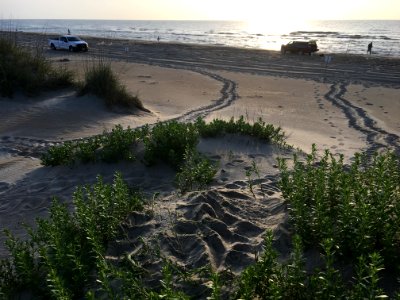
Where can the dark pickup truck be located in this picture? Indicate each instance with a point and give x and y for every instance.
(300, 47)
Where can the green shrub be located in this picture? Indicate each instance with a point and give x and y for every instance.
(100, 209)
(168, 142)
(101, 81)
(357, 206)
(268, 278)
(117, 145)
(164, 142)
(109, 147)
(65, 254)
(196, 172)
(59, 155)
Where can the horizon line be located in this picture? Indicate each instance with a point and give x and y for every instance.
(187, 20)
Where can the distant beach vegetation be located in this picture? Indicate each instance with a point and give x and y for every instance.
(30, 72)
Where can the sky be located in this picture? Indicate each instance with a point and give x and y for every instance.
(247, 10)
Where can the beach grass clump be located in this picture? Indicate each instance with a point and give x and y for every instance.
(65, 256)
(101, 81)
(29, 72)
(358, 207)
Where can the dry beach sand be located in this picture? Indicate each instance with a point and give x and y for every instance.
(349, 106)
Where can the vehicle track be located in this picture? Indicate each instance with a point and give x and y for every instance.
(356, 70)
(207, 60)
(377, 138)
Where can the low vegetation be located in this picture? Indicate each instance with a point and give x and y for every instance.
(171, 142)
(167, 142)
(29, 72)
(349, 214)
(269, 278)
(65, 254)
(258, 129)
(109, 147)
(357, 207)
(195, 173)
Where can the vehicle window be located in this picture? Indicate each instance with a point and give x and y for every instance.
(64, 39)
(73, 39)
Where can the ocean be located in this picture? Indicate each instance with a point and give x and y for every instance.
(332, 36)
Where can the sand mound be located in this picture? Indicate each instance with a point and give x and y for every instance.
(222, 228)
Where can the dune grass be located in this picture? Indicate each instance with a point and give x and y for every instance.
(101, 81)
(29, 72)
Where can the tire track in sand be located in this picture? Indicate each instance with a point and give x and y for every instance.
(377, 138)
(228, 96)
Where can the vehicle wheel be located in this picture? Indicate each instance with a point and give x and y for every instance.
(53, 47)
(71, 49)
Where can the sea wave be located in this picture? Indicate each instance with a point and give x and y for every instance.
(324, 33)
(226, 33)
(367, 37)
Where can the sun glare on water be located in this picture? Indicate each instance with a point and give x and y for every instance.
(271, 30)
(274, 18)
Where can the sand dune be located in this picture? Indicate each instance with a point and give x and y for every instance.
(350, 106)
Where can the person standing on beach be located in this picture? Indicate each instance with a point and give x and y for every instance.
(369, 48)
